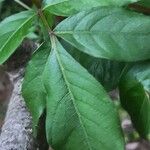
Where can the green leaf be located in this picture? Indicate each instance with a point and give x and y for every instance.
(107, 72)
(80, 115)
(135, 97)
(111, 33)
(12, 31)
(33, 89)
(50, 18)
(70, 7)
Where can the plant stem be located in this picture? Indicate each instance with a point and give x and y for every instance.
(43, 18)
(37, 3)
(45, 22)
(22, 4)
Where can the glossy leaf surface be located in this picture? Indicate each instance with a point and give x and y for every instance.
(111, 33)
(80, 114)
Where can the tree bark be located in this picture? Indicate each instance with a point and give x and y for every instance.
(16, 133)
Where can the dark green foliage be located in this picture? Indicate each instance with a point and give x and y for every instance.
(89, 52)
(135, 96)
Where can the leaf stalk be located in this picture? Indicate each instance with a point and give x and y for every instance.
(22, 4)
(43, 18)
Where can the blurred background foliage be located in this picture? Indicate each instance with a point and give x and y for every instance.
(9, 7)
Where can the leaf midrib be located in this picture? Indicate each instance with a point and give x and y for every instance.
(1, 49)
(71, 94)
(78, 32)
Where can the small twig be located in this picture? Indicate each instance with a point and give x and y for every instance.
(22, 4)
